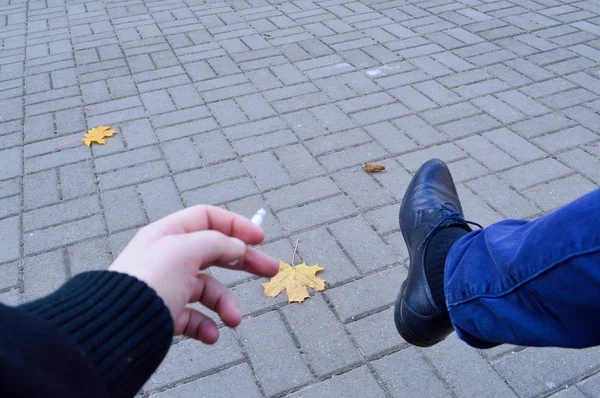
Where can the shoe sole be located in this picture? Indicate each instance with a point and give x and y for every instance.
(404, 331)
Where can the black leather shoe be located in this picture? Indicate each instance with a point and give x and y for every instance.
(430, 204)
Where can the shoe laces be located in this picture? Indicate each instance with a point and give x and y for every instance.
(452, 216)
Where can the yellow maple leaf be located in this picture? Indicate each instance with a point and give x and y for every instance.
(98, 134)
(295, 280)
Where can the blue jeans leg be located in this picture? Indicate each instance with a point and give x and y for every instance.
(531, 283)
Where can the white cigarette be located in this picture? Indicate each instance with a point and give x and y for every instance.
(259, 217)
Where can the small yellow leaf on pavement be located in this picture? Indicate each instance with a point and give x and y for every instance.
(371, 167)
(97, 135)
(295, 280)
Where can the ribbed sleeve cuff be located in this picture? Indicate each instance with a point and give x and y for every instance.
(122, 325)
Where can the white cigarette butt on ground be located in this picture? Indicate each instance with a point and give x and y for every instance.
(258, 218)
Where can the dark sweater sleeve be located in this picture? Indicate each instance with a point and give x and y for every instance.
(120, 323)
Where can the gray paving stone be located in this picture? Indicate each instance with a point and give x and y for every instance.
(334, 344)
(362, 189)
(369, 294)
(482, 380)
(43, 274)
(235, 381)
(160, 205)
(298, 162)
(316, 213)
(318, 246)
(358, 381)
(266, 171)
(278, 365)
(298, 194)
(376, 334)
(534, 173)
(418, 379)
(11, 163)
(190, 357)
(513, 144)
(362, 244)
(446, 152)
(10, 239)
(534, 371)
(565, 139)
(61, 213)
(221, 192)
(590, 385)
(40, 189)
(559, 192)
(501, 197)
(123, 209)
(485, 152)
(89, 255)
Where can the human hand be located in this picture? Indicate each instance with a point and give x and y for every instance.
(169, 254)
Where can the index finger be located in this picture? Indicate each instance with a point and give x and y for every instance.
(202, 218)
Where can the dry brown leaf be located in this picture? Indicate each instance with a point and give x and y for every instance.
(295, 280)
(98, 134)
(372, 167)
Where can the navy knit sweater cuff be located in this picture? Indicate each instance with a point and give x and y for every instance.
(124, 328)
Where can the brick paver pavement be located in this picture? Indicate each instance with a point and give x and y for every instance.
(275, 104)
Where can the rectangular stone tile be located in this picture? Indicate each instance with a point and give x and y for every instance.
(297, 194)
(417, 380)
(333, 344)
(513, 144)
(260, 143)
(43, 274)
(333, 142)
(354, 156)
(468, 126)
(393, 139)
(189, 357)
(559, 192)
(61, 213)
(473, 377)
(583, 163)
(209, 175)
(486, 153)
(376, 334)
(11, 163)
(535, 173)
(466, 169)
(540, 125)
(266, 171)
(63, 234)
(364, 190)
(236, 381)
(40, 189)
(133, 175)
(500, 196)
(10, 248)
(357, 381)
(446, 152)
(363, 245)
(278, 364)
(89, 255)
(221, 192)
(123, 209)
(534, 371)
(316, 213)
(160, 198)
(366, 295)
(299, 163)
(565, 139)
(318, 246)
